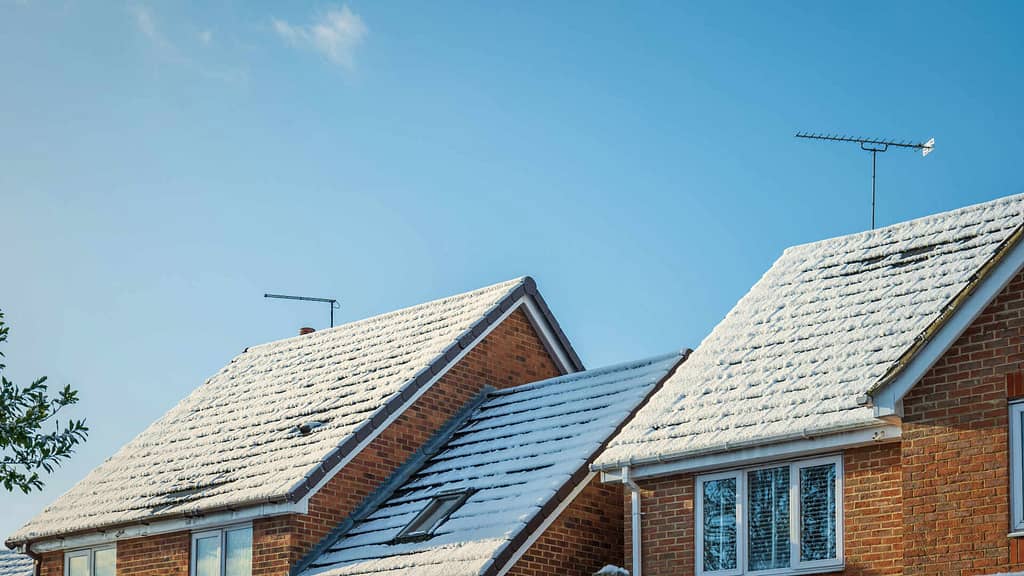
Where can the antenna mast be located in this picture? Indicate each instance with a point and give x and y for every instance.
(873, 145)
(334, 303)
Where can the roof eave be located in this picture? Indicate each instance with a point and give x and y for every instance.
(795, 444)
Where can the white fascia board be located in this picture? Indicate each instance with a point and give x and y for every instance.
(757, 454)
(191, 524)
(886, 400)
(547, 523)
(548, 334)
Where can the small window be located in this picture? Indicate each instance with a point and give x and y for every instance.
(100, 561)
(1016, 464)
(435, 513)
(226, 552)
(774, 519)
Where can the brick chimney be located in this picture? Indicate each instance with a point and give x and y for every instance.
(305, 330)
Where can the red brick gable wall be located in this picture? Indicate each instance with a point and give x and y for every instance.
(872, 524)
(586, 536)
(955, 449)
(511, 354)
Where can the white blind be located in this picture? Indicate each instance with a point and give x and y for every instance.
(818, 513)
(768, 518)
(719, 524)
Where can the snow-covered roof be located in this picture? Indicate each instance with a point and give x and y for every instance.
(824, 325)
(14, 564)
(520, 453)
(235, 440)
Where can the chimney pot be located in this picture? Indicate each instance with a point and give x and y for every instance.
(305, 330)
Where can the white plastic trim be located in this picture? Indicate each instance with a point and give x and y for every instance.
(883, 432)
(1016, 469)
(208, 522)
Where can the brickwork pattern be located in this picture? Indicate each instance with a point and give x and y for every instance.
(586, 536)
(51, 564)
(163, 555)
(955, 449)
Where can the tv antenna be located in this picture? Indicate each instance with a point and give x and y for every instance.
(873, 145)
(334, 303)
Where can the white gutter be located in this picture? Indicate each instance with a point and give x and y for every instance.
(634, 490)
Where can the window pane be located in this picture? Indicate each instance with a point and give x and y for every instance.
(768, 518)
(208, 556)
(78, 565)
(104, 562)
(818, 512)
(238, 561)
(719, 524)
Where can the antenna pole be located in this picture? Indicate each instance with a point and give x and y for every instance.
(873, 145)
(874, 156)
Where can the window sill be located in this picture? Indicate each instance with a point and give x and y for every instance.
(797, 571)
(1017, 534)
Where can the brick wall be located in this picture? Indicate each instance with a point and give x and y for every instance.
(511, 354)
(161, 555)
(872, 531)
(955, 453)
(586, 536)
(873, 519)
(51, 564)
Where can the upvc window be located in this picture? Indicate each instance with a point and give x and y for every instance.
(1016, 466)
(775, 519)
(224, 552)
(99, 561)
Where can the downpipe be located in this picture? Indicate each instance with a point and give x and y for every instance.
(634, 490)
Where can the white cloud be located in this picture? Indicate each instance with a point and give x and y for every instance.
(170, 52)
(146, 23)
(336, 35)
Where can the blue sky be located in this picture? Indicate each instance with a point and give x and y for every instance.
(164, 164)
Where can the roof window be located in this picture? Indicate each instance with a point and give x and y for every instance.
(433, 515)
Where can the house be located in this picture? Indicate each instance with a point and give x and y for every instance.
(14, 564)
(507, 489)
(859, 411)
(260, 463)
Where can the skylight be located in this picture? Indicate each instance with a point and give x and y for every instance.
(433, 515)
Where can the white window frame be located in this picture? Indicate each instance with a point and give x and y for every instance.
(796, 565)
(89, 553)
(222, 534)
(1016, 469)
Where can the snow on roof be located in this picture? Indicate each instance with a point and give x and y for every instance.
(519, 453)
(236, 440)
(817, 331)
(14, 564)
